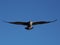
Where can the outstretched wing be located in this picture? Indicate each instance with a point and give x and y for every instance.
(18, 23)
(42, 22)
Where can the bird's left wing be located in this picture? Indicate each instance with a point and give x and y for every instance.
(18, 23)
(42, 22)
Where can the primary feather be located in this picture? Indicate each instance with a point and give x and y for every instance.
(19, 23)
(42, 22)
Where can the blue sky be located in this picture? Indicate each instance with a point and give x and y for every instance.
(25, 10)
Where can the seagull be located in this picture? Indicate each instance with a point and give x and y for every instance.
(29, 24)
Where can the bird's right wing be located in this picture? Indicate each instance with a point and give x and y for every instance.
(42, 22)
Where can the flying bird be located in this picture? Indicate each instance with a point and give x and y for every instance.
(29, 24)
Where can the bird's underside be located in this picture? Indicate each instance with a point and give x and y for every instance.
(29, 24)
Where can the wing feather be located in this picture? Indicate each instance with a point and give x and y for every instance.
(42, 22)
(18, 23)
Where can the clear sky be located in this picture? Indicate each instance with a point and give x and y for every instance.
(25, 10)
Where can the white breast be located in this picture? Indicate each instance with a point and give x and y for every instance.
(31, 23)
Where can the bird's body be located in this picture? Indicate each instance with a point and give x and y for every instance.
(29, 24)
